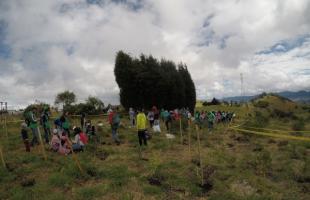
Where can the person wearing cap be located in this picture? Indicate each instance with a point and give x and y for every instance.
(24, 134)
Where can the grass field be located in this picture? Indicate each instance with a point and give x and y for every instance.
(235, 165)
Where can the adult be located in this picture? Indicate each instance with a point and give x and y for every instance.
(24, 134)
(83, 120)
(65, 123)
(141, 126)
(211, 118)
(132, 117)
(33, 125)
(114, 120)
(150, 117)
(156, 126)
(167, 118)
(46, 124)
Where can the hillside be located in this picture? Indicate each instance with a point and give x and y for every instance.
(300, 96)
(236, 165)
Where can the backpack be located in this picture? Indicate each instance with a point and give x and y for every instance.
(84, 138)
(28, 118)
(116, 119)
(57, 122)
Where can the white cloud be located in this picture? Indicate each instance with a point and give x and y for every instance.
(57, 45)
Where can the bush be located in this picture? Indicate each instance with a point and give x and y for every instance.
(260, 119)
(282, 114)
(298, 125)
(261, 104)
(213, 102)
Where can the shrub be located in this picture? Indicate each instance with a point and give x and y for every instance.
(260, 119)
(282, 114)
(298, 125)
(261, 104)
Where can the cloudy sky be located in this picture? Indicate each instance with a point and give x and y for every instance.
(53, 45)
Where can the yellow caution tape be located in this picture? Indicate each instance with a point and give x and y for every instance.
(289, 137)
(284, 131)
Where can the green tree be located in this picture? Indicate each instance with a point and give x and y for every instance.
(66, 98)
(190, 90)
(145, 82)
(95, 103)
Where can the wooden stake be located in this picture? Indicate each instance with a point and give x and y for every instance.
(189, 138)
(77, 162)
(6, 128)
(2, 159)
(199, 152)
(140, 152)
(41, 144)
(181, 131)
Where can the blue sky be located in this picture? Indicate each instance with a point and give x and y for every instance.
(54, 45)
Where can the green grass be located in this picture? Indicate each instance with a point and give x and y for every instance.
(245, 166)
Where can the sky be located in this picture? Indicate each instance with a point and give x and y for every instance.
(50, 46)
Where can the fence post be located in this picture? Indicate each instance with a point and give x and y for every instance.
(6, 128)
(199, 152)
(181, 131)
(189, 138)
(41, 144)
(2, 159)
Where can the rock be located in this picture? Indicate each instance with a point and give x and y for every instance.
(28, 182)
(102, 155)
(283, 143)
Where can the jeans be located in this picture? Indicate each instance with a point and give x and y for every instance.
(77, 147)
(47, 133)
(151, 123)
(35, 136)
(26, 142)
(141, 135)
(167, 124)
(114, 135)
(132, 121)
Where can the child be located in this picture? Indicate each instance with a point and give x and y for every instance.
(64, 147)
(24, 134)
(55, 142)
(80, 139)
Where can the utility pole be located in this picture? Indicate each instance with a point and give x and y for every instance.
(242, 89)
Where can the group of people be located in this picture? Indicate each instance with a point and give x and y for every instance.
(61, 138)
(154, 116)
(213, 117)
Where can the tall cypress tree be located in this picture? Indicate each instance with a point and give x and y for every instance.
(190, 90)
(146, 82)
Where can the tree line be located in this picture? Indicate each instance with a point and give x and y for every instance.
(146, 81)
(66, 99)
